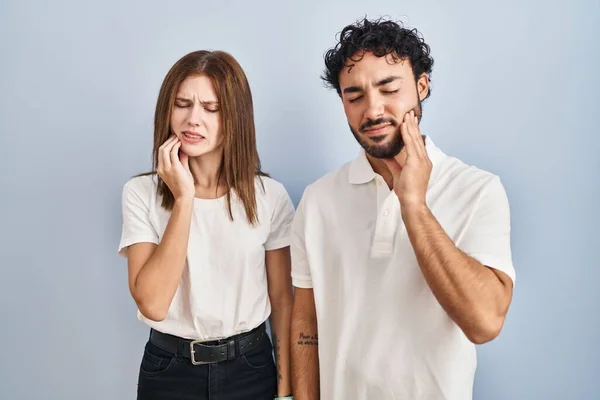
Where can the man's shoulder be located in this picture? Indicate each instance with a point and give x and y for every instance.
(462, 175)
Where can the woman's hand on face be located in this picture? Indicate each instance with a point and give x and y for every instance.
(174, 169)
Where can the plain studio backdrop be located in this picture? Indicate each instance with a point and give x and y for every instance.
(515, 91)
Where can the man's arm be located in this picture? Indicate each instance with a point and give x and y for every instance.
(304, 346)
(280, 294)
(475, 296)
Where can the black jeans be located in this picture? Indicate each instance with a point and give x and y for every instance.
(167, 376)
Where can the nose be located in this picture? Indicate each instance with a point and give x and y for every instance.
(195, 115)
(375, 107)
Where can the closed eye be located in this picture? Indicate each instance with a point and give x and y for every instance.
(181, 105)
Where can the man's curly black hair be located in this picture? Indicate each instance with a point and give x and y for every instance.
(380, 37)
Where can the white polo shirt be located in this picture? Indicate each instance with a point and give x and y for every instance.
(223, 290)
(382, 333)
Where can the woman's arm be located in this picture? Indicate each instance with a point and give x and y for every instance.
(155, 270)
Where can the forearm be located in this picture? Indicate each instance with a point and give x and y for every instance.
(469, 292)
(305, 358)
(158, 280)
(280, 326)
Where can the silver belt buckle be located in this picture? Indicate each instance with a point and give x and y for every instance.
(192, 352)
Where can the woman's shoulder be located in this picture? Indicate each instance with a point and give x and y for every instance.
(267, 186)
(143, 186)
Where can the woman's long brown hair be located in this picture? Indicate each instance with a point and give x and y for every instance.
(240, 164)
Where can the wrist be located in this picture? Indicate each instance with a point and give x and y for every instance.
(413, 209)
(284, 395)
(184, 201)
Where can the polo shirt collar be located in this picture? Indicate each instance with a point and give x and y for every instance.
(362, 172)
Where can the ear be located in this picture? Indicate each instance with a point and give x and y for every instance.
(423, 86)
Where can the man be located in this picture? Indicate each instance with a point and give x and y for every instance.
(401, 259)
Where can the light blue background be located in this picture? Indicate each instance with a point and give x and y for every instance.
(516, 92)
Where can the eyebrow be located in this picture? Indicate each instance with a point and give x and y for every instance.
(384, 81)
(204, 103)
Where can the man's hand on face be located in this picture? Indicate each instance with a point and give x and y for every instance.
(411, 168)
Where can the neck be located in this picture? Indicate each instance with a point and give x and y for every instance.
(205, 170)
(380, 168)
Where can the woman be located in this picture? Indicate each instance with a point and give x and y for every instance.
(206, 237)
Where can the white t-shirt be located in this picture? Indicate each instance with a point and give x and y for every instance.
(382, 333)
(223, 290)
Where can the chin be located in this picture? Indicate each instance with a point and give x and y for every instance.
(388, 148)
(383, 153)
(194, 152)
(197, 149)
(379, 140)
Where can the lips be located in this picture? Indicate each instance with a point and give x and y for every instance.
(376, 130)
(192, 135)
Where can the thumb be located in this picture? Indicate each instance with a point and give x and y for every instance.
(392, 165)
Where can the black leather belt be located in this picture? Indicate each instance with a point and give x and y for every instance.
(202, 352)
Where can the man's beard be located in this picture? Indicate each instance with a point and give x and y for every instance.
(381, 146)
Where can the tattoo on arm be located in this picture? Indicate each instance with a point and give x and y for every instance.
(277, 358)
(308, 340)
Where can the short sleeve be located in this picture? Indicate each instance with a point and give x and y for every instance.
(281, 221)
(487, 238)
(136, 217)
(301, 276)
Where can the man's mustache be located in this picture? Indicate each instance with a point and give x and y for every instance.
(374, 122)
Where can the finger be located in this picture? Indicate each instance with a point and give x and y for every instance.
(175, 153)
(408, 140)
(160, 165)
(168, 142)
(393, 166)
(416, 135)
(160, 168)
(421, 141)
(165, 151)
